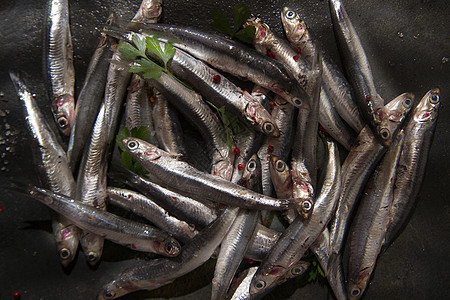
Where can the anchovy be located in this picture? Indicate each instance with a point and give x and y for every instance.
(91, 183)
(303, 158)
(266, 41)
(236, 242)
(187, 209)
(167, 125)
(145, 207)
(411, 167)
(334, 83)
(301, 234)
(226, 55)
(138, 111)
(167, 170)
(134, 235)
(262, 241)
(248, 142)
(283, 113)
(240, 289)
(152, 274)
(369, 226)
(59, 62)
(197, 112)
(356, 169)
(90, 98)
(332, 122)
(52, 168)
(222, 92)
(357, 67)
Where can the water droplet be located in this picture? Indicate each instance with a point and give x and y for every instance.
(7, 111)
(3, 155)
(8, 132)
(6, 162)
(2, 113)
(400, 34)
(416, 36)
(2, 94)
(7, 126)
(444, 60)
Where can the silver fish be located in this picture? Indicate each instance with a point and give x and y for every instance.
(125, 232)
(52, 168)
(334, 83)
(180, 176)
(59, 61)
(145, 207)
(359, 73)
(152, 274)
(411, 167)
(300, 234)
(369, 226)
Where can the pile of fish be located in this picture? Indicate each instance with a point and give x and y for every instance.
(211, 201)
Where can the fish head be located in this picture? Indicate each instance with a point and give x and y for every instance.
(116, 289)
(66, 242)
(93, 247)
(149, 11)
(427, 109)
(297, 269)
(258, 116)
(280, 173)
(63, 108)
(252, 172)
(168, 247)
(396, 110)
(294, 27)
(355, 288)
(267, 277)
(142, 150)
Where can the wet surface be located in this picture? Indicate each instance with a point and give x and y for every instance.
(408, 46)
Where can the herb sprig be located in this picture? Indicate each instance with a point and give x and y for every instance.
(240, 14)
(125, 158)
(142, 63)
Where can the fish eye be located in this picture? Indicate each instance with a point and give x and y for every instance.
(356, 292)
(434, 98)
(290, 14)
(260, 284)
(64, 253)
(297, 270)
(384, 133)
(92, 256)
(132, 145)
(306, 206)
(280, 165)
(109, 294)
(268, 127)
(62, 122)
(251, 166)
(172, 248)
(297, 102)
(407, 102)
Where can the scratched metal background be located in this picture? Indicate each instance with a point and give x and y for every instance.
(408, 45)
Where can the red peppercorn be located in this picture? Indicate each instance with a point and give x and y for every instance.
(241, 167)
(270, 54)
(296, 57)
(133, 246)
(369, 187)
(216, 79)
(271, 104)
(16, 295)
(270, 149)
(1, 208)
(298, 50)
(237, 151)
(321, 128)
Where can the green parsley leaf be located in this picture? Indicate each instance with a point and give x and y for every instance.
(128, 50)
(143, 65)
(220, 22)
(240, 15)
(140, 44)
(246, 34)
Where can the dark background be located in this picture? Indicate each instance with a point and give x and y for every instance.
(408, 46)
